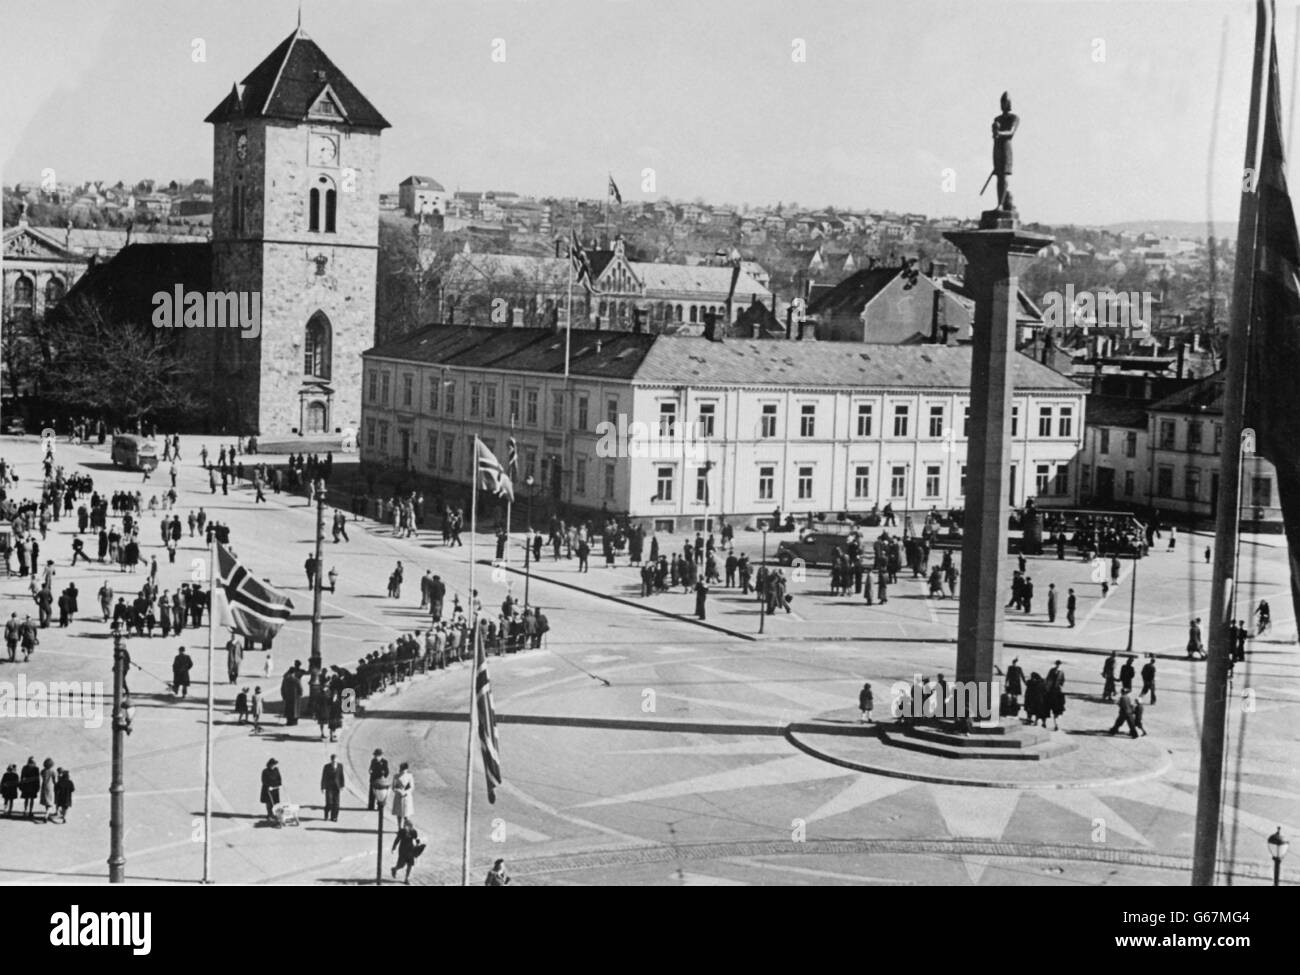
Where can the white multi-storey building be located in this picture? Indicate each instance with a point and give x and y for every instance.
(677, 431)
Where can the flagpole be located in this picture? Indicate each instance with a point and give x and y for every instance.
(207, 744)
(568, 315)
(473, 643)
(1209, 797)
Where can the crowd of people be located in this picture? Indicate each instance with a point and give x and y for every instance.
(50, 785)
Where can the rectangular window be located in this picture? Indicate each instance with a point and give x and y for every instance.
(530, 461)
(383, 389)
(475, 398)
(516, 397)
(408, 389)
(1218, 438)
(374, 386)
(611, 411)
(1103, 441)
(582, 412)
(1085, 478)
(1261, 492)
(706, 420)
(432, 454)
(557, 409)
(766, 483)
(1167, 435)
(1065, 422)
(1130, 484)
(490, 401)
(1044, 421)
(610, 473)
(449, 398)
(864, 419)
(808, 420)
(664, 484)
(448, 452)
(962, 486)
(897, 481)
(933, 477)
(530, 407)
(1192, 484)
(667, 419)
(1062, 485)
(1193, 435)
(702, 484)
(965, 422)
(370, 433)
(580, 476)
(768, 421)
(805, 483)
(862, 481)
(383, 437)
(1164, 481)
(433, 396)
(1042, 477)
(1131, 444)
(900, 419)
(1015, 421)
(936, 421)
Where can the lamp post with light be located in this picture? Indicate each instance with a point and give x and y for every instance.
(1277, 847)
(531, 484)
(122, 713)
(380, 788)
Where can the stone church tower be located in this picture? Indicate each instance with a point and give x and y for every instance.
(296, 220)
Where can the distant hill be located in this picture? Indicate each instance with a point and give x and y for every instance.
(1186, 229)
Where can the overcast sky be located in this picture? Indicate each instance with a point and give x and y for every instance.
(1117, 99)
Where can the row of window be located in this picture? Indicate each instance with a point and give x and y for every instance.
(1168, 436)
(25, 292)
(1130, 442)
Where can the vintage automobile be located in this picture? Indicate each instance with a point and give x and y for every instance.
(134, 452)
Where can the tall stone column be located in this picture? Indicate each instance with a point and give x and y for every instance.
(996, 255)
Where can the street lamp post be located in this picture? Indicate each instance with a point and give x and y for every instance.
(380, 788)
(117, 787)
(1277, 847)
(762, 596)
(316, 575)
(1132, 598)
(528, 543)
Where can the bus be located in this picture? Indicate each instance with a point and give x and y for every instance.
(134, 452)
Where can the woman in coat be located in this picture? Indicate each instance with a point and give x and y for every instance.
(271, 787)
(63, 789)
(403, 794)
(48, 775)
(408, 846)
(336, 714)
(1036, 699)
(9, 788)
(29, 785)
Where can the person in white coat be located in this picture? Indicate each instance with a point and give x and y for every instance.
(403, 794)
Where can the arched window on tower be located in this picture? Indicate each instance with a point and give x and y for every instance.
(322, 204)
(316, 347)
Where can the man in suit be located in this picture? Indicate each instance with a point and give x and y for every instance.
(1124, 715)
(378, 770)
(331, 783)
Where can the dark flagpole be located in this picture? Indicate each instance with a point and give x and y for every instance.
(1209, 798)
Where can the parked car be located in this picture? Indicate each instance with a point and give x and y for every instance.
(812, 548)
(134, 452)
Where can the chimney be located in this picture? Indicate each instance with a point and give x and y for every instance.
(789, 321)
(1182, 358)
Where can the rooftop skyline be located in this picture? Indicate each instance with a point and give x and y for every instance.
(890, 110)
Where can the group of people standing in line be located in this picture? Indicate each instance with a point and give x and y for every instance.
(52, 786)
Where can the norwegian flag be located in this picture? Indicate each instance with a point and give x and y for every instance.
(487, 724)
(581, 263)
(244, 603)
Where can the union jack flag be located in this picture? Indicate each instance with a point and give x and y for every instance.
(491, 473)
(487, 724)
(247, 605)
(581, 263)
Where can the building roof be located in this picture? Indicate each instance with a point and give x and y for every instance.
(1205, 397)
(124, 286)
(287, 84)
(702, 278)
(661, 360)
(674, 278)
(1115, 411)
(854, 293)
(423, 182)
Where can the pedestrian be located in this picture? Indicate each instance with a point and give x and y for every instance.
(1195, 645)
(1149, 678)
(1051, 602)
(1036, 700)
(9, 789)
(1124, 715)
(1108, 678)
(63, 789)
(497, 876)
(1015, 686)
(1071, 604)
(1207, 555)
(48, 776)
(1027, 594)
(181, 665)
(701, 593)
(378, 772)
(403, 794)
(1126, 674)
(257, 710)
(865, 703)
(291, 693)
(234, 658)
(1055, 690)
(271, 783)
(241, 705)
(408, 846)
(331, 783)
(1137, 716)
(29, 785)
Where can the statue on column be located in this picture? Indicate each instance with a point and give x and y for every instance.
(1004, 129)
